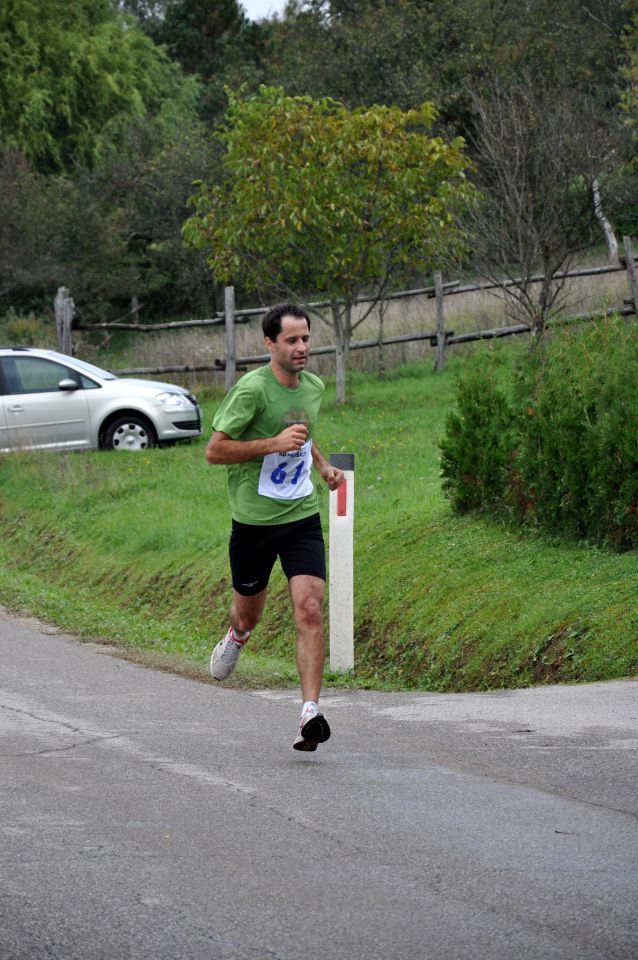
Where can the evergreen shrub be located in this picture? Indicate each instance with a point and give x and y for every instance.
(478, 442)
(564, 434)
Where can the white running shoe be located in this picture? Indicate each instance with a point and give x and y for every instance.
(225, 656)
(313, 729)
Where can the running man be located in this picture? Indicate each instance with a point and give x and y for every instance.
(263, 434)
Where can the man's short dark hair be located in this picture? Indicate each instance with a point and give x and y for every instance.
(271, 324)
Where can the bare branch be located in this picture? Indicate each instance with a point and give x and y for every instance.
(537, 153)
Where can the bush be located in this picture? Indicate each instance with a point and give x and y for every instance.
(27, 330)
(567, 457)
(578, 453)
(478, 442)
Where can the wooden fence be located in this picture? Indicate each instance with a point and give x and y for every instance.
(440, 338)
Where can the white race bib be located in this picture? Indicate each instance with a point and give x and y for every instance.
(286, 476)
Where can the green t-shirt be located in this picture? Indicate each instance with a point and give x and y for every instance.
(277, 488)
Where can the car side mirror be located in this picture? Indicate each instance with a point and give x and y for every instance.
(67, 384)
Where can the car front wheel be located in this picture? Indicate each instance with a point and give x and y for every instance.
(129, 433)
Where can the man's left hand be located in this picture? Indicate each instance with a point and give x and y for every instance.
(332, 476)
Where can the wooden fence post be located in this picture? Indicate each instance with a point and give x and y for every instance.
(631, 272)
(440, 322)
(382, 307)
(64, 311)
(229, 320)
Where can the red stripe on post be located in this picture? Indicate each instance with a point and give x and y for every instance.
(342, 499)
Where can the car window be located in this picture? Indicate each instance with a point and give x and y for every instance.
(34, 374)
(94, 371)
(10, 380)
(6, 375)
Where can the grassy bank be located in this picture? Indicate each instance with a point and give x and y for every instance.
(132, 550)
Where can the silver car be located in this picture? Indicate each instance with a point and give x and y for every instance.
(53, 402)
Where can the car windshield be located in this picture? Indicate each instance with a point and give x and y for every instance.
(93, 371)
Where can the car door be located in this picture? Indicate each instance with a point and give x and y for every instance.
(36, 412)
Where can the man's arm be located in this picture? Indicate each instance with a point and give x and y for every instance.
(332, 476)
(222, 449)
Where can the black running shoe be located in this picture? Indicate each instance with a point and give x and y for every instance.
(313, 729)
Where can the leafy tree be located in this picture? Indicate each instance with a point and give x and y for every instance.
(73, 74)
(140, 196)
(99, 144)
(320, 199)
(402, 52)
(571, 45)
(30, 207)
(148, 13)
(629, 99)
(394, 52)
(110, 234)
(214, 41)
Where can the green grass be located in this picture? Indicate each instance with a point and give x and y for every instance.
(132, 550)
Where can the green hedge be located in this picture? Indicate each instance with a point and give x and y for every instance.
(554, 441)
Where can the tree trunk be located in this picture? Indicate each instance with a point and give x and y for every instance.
(440, 322)
(341, 325)
(537, 327)
(539, 318)
(229, 325)
(610, 236)
(381, 362)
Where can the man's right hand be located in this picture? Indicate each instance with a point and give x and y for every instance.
(292, 438)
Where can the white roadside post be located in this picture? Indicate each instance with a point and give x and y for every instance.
(341, 579)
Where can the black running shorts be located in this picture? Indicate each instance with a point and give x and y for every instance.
(253, 550)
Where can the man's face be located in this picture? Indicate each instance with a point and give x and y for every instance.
(290, 350)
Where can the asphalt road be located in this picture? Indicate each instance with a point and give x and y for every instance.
(145, 816)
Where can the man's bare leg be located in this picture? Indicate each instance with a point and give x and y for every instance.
(306, 593)
(246, 612)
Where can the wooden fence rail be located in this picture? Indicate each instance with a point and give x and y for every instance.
(450, 288)
(440, 338)
(450, 339)
(537, 278)
(244, 315)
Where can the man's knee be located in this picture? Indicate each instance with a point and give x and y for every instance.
(246, 611)
(309, 609)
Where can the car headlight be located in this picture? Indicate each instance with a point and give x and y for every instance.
(174, 401)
